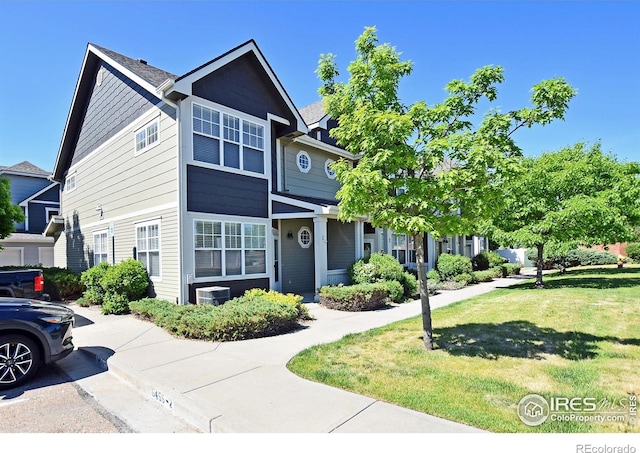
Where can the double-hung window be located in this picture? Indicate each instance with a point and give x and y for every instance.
(148, 247)
(229, 248)
(100, 248)
(70, 182)
(403, 248)
(147, 136)
(223, 139)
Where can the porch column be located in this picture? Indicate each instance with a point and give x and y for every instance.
(359, 245)
(476, 245)
(320, 252)
(431, 252)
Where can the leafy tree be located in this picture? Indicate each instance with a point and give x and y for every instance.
(9, 213)
(424, 169)
(574, 195)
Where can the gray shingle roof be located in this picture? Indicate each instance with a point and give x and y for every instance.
(313, 113)
(25, 167)
(151, 74)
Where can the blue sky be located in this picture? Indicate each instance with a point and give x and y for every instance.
(594, 45)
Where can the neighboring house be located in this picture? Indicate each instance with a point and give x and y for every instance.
(39, 199)
(212, 178)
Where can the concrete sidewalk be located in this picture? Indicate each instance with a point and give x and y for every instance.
(245, 386)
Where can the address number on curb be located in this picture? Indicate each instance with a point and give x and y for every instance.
(159, 397)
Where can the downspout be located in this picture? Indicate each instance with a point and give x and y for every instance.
(167, 85)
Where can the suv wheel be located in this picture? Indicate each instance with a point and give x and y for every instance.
(19, 360)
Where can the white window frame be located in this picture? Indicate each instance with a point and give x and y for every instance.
(331, 174)
(103, 251)
(146, 143)
(71, 182)
(250, 133)
(304, 233)
(300, 158)
(224, 242)
(48, 213)
(148, 250)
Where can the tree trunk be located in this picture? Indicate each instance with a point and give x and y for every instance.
(539, 283)
(427, 326)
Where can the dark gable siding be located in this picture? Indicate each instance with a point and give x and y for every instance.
(52, 194)
(219, 192)
(111, 107)
(244, 85)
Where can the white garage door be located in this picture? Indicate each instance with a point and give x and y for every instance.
(46, 256)
(11, 256)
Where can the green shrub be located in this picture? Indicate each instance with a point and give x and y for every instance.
(451, 265)
(396, 291)
(128, 278)
(275, 297)
(59, 283)
(360, 297)
(380, 267)
(82, 302)
(91, 280)
(513, 268)
(256, 314)
(465, 279)
(486, 260)
(433, 275)
(115, 304)
(633, 251)
(484, 276)
(409, 284)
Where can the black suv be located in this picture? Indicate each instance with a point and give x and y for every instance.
(32, 333)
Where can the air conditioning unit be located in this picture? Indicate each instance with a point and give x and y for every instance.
(212, 295)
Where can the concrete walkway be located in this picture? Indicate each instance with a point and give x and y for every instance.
(245, 386)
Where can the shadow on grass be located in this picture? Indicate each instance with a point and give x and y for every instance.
(519, 339)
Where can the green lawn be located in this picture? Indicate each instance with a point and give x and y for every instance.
(579, 337)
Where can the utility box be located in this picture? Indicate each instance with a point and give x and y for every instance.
(212, 295)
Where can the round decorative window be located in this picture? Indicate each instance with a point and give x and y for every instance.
(304, 237)
(304, 161)
(331, 174)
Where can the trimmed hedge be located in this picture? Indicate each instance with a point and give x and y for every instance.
(573, 258)
(256, 314)
(361, 297)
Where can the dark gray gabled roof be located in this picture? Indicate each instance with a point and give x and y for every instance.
(151, 74)
(25, 167)
(311, 114)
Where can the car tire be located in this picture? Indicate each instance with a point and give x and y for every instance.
(19, 360)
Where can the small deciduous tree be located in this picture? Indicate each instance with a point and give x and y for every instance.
(424, 169)
(9, 213)
(575, 195)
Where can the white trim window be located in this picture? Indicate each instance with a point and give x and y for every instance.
(229, 249)
(147, 136)
(100, 247)
(70, 183)
(305, 237)
(331, 173)
(303, 161)
(403, 248)
(227, 140)
(148, 247)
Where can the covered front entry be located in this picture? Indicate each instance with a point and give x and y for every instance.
(316, 249)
